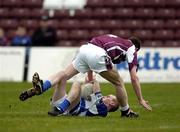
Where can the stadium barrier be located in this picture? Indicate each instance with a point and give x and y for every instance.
(12, 63)
(155, 64)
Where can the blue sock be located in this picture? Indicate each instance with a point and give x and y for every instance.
(46, 85)
(64, 105)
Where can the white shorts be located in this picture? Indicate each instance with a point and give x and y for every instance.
(91, 57)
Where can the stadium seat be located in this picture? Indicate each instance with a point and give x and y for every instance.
(111, 24)
(177, 35)
(113, 3)
(122, 33)
(20, 13)
(78, 34)
(94, 3)
(172, 3)
(177, 13)
(54, 23)
(38, 13)
(66, 43)
(29, 23)
(62, 34)
(143, 34)
(83, 13)
(172, 43)
(90, 24)
(132, 24)
(164, 34)
(103, 13)
(12, 3)
(154, 43)
(144, 13)
(154, 3)
(172, 23)
(68, 24)
(98, 32)
(165, 13)
(9, 23)
(154, 24)
(4, 12)
(61, 14)
(123, 13)
(133, 3)
(32, 3)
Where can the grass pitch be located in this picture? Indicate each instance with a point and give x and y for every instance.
(31, 115)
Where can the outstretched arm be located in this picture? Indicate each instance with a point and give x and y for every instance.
(137, 88)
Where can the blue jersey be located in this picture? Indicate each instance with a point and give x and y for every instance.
(94, 107)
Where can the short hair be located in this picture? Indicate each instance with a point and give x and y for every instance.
(115, 107)
(136, 41)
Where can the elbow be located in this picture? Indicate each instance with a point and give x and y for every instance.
(134, 79)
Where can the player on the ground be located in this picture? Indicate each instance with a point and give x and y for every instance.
(99, 55)
(96, 105)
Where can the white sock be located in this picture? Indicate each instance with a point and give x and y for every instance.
(124, 108)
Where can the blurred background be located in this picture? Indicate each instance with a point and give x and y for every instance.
(44, 35)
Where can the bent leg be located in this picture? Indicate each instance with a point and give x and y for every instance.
(74, 95)
(113, 77)
(71, 100)
(58, 93)
(68, 73)
(66, 102)
(62, 78)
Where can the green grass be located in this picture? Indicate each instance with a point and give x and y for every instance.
(31, 116)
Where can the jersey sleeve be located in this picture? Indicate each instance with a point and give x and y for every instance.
(98, 95)
(132, 60)
(101, 110)
(98, 108)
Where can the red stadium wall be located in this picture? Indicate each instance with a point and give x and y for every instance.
(156, 22)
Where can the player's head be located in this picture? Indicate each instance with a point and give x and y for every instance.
(111, 102)
(136, 41)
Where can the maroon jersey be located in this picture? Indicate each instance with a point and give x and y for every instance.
(117, 48)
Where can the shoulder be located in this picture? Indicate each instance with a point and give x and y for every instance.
(131, 49)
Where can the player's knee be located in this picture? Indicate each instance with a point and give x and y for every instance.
(77, 84)
(118, 82)
(63, 75)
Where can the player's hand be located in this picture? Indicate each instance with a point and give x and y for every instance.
(145, 104)
(90, 80)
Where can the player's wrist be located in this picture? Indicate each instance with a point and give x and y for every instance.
(140, 99)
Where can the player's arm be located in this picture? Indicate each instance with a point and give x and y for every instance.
(92, 79)
(137, 88)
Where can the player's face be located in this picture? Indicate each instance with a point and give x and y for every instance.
(110, 100)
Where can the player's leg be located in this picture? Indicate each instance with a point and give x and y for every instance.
(121, 94)
(113, 77)
(61, 76)
(101, 63)
(39, 86)
(69, 102)
(74, 68)
(68, 73)
(59, 93)
(74, 95)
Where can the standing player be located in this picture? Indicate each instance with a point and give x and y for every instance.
(99, 55)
